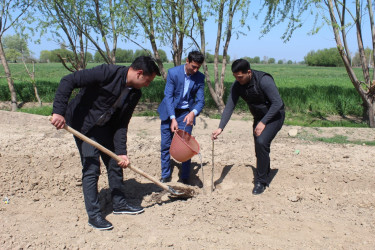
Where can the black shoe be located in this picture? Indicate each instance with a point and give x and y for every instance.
(165, 180)
(100, 223)
(185, 181)
(259, 188)
(125, 208)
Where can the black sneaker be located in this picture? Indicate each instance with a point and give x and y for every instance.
(125, 208)
(183, 180)
(259, 188)
(165, 180)
(100, 223)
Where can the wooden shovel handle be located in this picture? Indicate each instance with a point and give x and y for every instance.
(114, 156)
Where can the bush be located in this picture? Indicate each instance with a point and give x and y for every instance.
(124, 55)
(54, 55)
(327, 58)
(98, 58)
(210, 58)
(271, 60)
(252, 60)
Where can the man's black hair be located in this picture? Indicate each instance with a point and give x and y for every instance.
(196, 56)
(147, 64)
(240, 65)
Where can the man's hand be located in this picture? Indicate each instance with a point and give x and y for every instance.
(125, 161)
(216, 133)
(174, 125)
(259, 129)
(58, 121)
(189, 119)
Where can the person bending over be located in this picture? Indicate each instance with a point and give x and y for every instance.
(259, 91)
(102, 110)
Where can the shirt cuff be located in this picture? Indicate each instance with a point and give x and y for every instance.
(172, 117)
(195, 112)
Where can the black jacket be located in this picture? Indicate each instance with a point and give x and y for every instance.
(99, 89)
(260, 94)
(258, 101)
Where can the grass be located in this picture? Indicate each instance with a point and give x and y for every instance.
(337, 139)
(147, 113)
(320, 120)
(44, 110)
(311, 94)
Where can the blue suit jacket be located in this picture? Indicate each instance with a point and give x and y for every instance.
(174, 90)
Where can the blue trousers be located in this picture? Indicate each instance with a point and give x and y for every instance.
(166, 139)
(91, 170)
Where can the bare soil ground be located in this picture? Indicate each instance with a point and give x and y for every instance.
(321, 195)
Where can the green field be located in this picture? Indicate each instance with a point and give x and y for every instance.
(311, 94)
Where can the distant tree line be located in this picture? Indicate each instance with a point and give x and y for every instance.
(210, 58)
(331, 58)
(326, 57)
(266, 60)
(15, 48)
(356, 60)
(122, 55)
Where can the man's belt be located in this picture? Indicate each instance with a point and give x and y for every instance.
(180, 111)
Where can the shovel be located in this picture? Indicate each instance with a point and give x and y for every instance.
(118, 159)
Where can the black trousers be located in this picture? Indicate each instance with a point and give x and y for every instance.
(90, 158)
(263, 148)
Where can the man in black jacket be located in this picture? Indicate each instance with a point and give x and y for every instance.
(259, 91)
(102, 110)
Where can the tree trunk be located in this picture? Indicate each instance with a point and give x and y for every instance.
(218, 101)
(341, 15)
(110, 54)
(219, 87)
(366, 96)
(180, 34)
(37, 94)
(147, 23)
(151, 35)
(370, 113)
(176, 62)
(13, 95)
(32, 76)
(177, 19)
(371, 15)
(361, 50)
(232, 9)
(82, 52)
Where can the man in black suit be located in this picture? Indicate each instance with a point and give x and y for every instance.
(102, 110)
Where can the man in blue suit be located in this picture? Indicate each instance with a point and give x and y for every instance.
(183, 101)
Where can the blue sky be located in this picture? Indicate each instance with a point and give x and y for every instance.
(271, 44)
(251, 45)
(301, 43)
